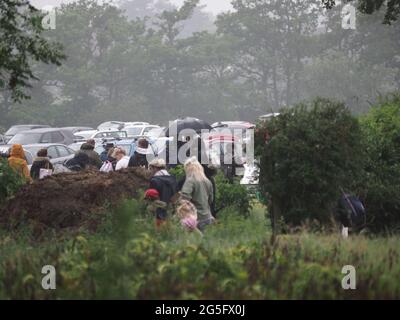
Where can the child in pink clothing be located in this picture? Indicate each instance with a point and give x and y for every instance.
(187, 215)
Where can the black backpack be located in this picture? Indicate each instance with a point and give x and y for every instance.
(352, 212)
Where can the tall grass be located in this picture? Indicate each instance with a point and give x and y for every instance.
(129, 259)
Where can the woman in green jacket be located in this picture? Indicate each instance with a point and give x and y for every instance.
(198, 190)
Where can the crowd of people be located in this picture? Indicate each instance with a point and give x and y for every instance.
(191, 200)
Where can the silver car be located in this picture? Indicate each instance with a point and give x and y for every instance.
(58, 153)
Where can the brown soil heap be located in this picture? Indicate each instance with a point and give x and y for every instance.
(71, 200)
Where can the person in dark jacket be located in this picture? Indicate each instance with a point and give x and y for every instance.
(139, 158)
(94, 158)
(166, 186)
(79, 162)
(41, 162)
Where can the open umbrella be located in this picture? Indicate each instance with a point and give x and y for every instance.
(187, 123)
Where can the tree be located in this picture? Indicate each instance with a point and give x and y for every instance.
(22, 44)
(308, 154)
(273, 38)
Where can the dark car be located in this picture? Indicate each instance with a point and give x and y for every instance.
(77, 129)
(43, 136)
(19, 128)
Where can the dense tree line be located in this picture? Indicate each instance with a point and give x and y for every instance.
(158, 62)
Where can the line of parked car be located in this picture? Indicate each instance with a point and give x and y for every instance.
(62, 143)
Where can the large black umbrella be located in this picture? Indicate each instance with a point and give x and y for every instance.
(187, 123)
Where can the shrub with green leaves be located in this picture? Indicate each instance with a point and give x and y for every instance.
(381, 128)
(232, 195)
(10, 181)
(307, 155)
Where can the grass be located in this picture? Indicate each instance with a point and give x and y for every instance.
(235, 259)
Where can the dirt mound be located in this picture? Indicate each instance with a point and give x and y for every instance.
(71, 200)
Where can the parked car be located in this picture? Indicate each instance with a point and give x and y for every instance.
(40, 136)
(140, 130)
(19, 128)
(119, 125)
(43, 136)
(156, 133)
(98, 135)
(58, 153)
(77, 129)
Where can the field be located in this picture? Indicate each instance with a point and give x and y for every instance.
(128, 259)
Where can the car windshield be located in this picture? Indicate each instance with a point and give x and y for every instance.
(28, 157)
(84, 135)
(25, 138)
(14, 130)
(110, 125)
(156, 133)
(33, 150)
(134, 131)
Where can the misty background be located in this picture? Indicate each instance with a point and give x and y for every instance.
(141, 60)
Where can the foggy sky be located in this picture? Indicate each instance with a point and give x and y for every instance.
(214, 6)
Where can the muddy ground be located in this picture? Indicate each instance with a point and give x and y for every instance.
(71, 200)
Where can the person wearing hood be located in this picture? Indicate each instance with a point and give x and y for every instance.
(166, 186)
(41, 162)
(79, 162)
(17, 162)
(139, 158)
(94, 158)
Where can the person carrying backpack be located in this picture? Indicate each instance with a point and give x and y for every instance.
(351, 213)
(41, 162)
(166, 186)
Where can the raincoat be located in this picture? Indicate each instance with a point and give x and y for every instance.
(18, 163)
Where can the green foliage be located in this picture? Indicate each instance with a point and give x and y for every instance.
(234, 260)
(232, 195)
(21, 43)
(381, 129)
(178, 172)
(10, 181)
(312, 151)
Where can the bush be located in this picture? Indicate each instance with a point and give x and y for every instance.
(10, 181)
(308, 154)
(232, 195)
(381, 128)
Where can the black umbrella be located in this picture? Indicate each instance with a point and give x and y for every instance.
(187, 123)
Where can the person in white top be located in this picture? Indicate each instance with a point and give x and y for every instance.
(122, 158)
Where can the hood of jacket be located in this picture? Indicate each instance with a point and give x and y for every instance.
(17, 152)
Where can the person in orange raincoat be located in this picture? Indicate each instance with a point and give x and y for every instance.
(18, 162)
